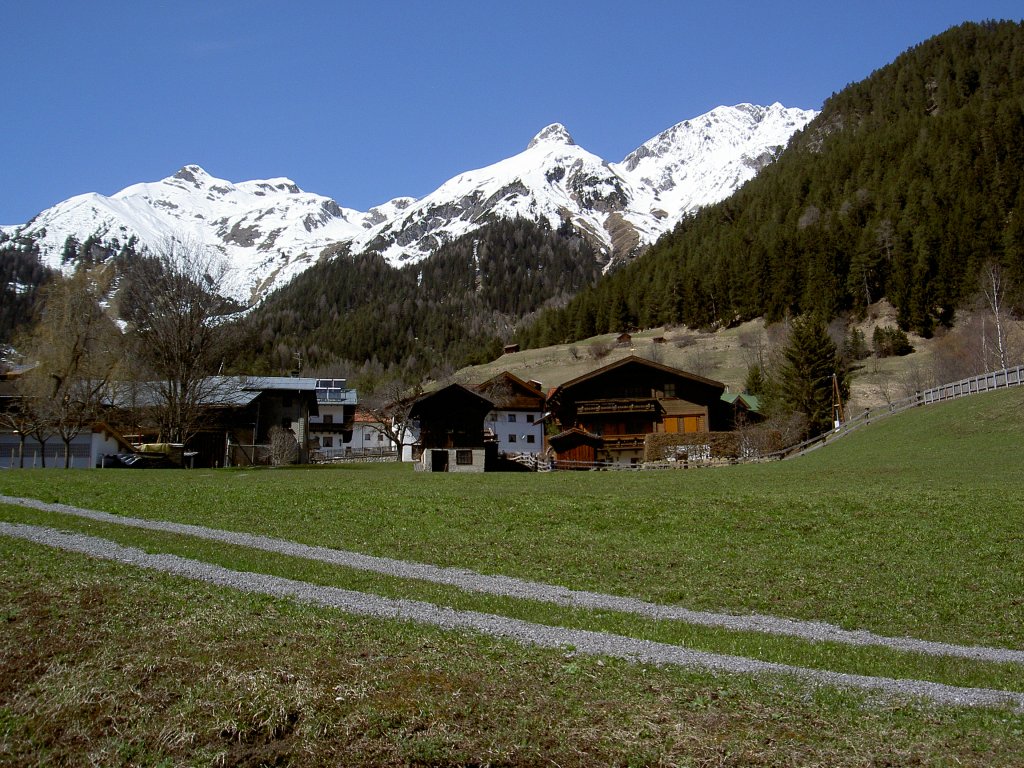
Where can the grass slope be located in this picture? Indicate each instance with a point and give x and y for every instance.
(909, 527)
(103, 665)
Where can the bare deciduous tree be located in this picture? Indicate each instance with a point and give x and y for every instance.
(173, 305)
(284, 448)
(993, 289)
(390, 405)
(700, 361)
(26, 418)
(76, 348)
(754, 347)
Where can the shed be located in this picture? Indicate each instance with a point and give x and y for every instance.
(575, 447)
(451, 424)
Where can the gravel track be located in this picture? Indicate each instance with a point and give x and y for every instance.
(506, 586)
(578, 641)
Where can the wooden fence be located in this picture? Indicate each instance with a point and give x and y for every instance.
(1007, 377)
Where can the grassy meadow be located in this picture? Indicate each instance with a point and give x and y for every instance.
(911, 527)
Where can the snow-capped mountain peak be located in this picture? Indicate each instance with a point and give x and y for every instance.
(555, 133)
(270, 230)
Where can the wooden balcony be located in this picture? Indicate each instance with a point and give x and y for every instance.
(623, 442)
(600, 407)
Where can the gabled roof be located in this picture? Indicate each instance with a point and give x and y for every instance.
(448, 396)
(574, 436)
(512, 379)
(522, 395)
(634, 360)
(364, 416)
(748, 401)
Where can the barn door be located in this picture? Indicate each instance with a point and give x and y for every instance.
(439, 461)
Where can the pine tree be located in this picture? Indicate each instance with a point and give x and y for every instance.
(811, 369)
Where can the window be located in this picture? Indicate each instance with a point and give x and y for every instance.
(670, 389)
(531, 438)
(511, 418)
(328, 418)
(380, 437)
(327, 442)
(529, 418)
(511, 438)
(463, 457)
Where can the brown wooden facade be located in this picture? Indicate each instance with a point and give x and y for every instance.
(631, 398)
(451, 427)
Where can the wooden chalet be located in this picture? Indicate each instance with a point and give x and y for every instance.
(606, 415)
(451, 428)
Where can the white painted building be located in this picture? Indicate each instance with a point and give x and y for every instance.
(517, 417)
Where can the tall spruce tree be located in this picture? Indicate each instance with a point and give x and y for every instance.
(812, 367)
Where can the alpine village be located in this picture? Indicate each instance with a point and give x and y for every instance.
(707, 457)
(841, 252)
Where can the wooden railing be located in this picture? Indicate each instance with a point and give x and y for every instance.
(624, 442)
(1007, 377)
(592, 407)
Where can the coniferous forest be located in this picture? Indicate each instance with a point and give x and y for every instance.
(21, 275)
(903, 187)
(454, 308)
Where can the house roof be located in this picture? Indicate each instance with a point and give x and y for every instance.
(366, 417)
(750, 402)
(520, 395)
(574, 435)
(219, 391)
(634, 360)
(454, 395)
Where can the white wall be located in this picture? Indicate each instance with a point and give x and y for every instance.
(521, 429)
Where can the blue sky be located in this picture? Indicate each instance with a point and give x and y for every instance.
(365, 101)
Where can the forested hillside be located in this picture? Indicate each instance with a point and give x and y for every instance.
(21, 275)
(448, 310)
(903, 187)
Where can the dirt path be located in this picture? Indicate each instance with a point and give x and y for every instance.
(506, 586)
(579, 641)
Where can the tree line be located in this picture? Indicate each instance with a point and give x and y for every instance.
(455, 308)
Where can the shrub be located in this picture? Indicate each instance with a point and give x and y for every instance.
(891, 342)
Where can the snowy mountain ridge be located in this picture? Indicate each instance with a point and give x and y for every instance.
(270, 230)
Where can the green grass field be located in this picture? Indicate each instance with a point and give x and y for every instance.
(911, 527)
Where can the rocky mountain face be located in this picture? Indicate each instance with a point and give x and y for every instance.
(270, 230)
